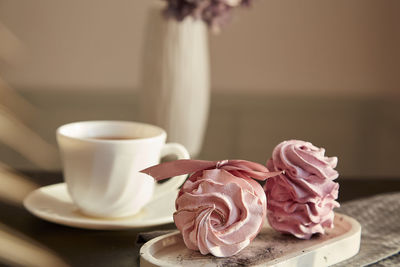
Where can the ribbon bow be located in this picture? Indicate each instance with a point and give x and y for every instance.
(186, 166)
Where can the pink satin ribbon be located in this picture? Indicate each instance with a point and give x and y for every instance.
(186, 166)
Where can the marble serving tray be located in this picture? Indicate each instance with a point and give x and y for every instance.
(269, 248)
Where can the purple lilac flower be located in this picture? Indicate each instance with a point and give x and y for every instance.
(215, 13)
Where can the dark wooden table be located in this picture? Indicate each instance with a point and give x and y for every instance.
(79, 247)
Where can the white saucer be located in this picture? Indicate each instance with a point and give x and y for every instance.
(53, 203)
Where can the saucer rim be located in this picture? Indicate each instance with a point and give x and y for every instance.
(86, 222)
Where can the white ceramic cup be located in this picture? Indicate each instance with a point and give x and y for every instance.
(102, 174)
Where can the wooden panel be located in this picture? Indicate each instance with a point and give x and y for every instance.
(363, 133)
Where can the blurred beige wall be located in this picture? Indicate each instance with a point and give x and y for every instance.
(280, 46)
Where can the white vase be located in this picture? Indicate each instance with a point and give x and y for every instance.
(176, 79)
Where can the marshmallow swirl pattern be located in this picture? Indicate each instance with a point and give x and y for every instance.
(301, 201)
(219, 213)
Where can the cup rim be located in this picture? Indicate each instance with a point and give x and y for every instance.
(162, 132)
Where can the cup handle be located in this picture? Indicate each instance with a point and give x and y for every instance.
(174, 182)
